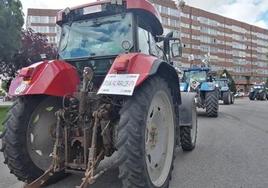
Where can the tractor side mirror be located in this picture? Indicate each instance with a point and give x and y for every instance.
(176, 49)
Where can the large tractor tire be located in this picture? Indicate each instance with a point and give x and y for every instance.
(227, 98)
(258, 96)
(212, 104)
(232, 98)
(188, 134)
(147, 136)
(252, 96)
(28, 139)
(262, 96)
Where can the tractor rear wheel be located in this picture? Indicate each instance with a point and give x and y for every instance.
(28, 139)
(232, 98)
(251, 96)
(227, 97)
(212, 103)
(263, 96)
(146, 136)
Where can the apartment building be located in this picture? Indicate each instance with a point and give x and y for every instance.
(239, 47)
(43, 21)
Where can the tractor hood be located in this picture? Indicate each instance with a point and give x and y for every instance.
(207, 86)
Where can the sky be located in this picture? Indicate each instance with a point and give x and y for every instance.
(250, 11)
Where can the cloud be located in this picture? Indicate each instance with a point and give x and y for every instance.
(249, 11)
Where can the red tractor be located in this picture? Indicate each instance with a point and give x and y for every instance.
(112, 89)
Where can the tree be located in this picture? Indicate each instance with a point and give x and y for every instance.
(32, 46)
(226, 74)
(11, 22)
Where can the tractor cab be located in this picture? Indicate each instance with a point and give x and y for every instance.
(194, 77)
(223, 83)
(94, 35)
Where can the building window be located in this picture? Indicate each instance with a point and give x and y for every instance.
(165, 21)
(52, 19)
(165, 10)
(52, 30)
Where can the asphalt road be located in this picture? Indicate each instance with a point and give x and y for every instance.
(231, 152)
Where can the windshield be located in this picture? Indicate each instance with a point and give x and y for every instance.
(222, 83)
(96, 37)
(258, 87)
(199, 76)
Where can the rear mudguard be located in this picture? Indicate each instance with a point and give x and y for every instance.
(135, 63)
(55, 78)
(146, 66)
(186, 109)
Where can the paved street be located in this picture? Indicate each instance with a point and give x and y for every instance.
(232, 152)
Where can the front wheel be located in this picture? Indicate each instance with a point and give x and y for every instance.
(28, 139)
(263, 96)
(227, 97)
(146, 136)
(188, 134)
(252, 96)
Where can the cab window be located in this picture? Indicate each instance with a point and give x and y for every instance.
(143, 41)
(147, 44)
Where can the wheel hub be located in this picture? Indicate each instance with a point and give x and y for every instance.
(159, 139)
(41, 134)
(153, 134)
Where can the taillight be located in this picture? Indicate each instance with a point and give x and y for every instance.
(26, 73)
(121, 65)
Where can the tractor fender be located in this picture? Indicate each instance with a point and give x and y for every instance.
(134, 63)
(145, 66)
(55, 78)
(207, 86)
(186, 109)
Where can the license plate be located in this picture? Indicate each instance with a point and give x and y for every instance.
(119, 84)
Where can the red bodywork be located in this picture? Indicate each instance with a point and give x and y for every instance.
(55, 78)
(134, 63)
(58, 78)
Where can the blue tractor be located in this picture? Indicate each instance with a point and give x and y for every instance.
(259, 92)
(201, 81)
(225, 94)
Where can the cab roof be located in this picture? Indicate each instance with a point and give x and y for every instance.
(142, 8)
(197, 69)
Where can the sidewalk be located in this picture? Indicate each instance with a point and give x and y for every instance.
(3, 104)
